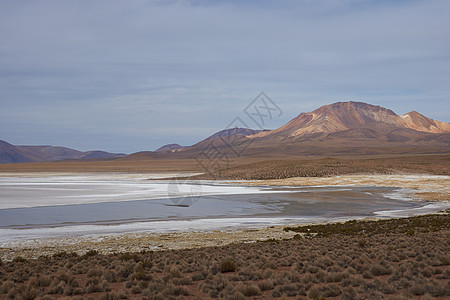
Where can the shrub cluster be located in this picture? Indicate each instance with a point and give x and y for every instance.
(330, 166)
(394, 265)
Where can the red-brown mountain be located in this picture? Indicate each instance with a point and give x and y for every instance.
(419, 122)
(342, 128)
(355, 119)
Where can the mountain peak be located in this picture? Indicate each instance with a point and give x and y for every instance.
(340, 116)
(349, 127)
(413, 112)
(169, 147)
(352, 106)
(234, 131)
(419, 122)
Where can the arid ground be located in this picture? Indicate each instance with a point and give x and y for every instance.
(256, 167)
(385, 259)
(388, 259)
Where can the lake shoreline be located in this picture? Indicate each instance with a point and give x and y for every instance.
(138, 242)
(242, 233)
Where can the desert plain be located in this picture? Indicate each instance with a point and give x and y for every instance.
(375, 257)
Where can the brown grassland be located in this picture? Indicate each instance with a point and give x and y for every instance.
(331, 166)
(255, 167)
(387, 259)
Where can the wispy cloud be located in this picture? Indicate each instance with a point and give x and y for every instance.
(144, 71)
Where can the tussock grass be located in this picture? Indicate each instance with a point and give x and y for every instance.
(408, 226)
(331, 263)
(331, 166)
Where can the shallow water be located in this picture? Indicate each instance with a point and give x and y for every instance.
(50, 206)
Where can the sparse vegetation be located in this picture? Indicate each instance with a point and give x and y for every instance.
(408, 226)
(353, 260)
(331, 166)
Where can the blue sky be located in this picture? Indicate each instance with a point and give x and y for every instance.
(125, 76)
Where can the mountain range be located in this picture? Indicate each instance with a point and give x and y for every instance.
(336, 129)
(341, 128)
(17, 154)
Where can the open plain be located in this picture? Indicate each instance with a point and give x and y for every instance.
(404, 259)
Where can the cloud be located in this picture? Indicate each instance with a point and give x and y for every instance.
(147, 70)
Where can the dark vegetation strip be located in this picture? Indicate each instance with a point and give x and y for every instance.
(280, 169)
(409, 226)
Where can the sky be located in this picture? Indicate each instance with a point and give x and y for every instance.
(128, 76)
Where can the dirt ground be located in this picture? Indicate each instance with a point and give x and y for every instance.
(255, 167)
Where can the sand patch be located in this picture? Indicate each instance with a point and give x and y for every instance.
(136, 242)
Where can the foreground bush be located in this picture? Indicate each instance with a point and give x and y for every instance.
(331, 263)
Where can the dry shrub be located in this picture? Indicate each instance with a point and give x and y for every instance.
(6, 287)
(367, 275)
(125, 271)
(109, 276)
(94, 272)
(43, 280)
(325, 261)
(174, 272)
(182, 281)
(136, 290)
(146, 264)
(335, 276)
(314, 293)
(379, 270)
(140, 275)
(320, 276)
(249, 290)
(331, 290)
(199, 275)
(312, 269)
(349, 294)
(236, 296)
(227, 265)
(19, 259)
(93, 288)
(266, 285)
(57, 287)
(154, 287)
(289, 290)
(172, 290)
(90, 253)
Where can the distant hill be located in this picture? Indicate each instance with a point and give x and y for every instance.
(169, 147)
(419, 122)
(11, 154)
(220, 136)
(341, 128)
(49, 153)
(97, 154)
(233, 132)
(354, 119)
(17, 154)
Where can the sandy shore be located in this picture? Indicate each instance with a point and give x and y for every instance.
(135, 242)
